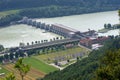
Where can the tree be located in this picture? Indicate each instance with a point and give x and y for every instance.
(1, 58)
(61, 37)
(21, 53)
(11, 56)
(57, 38)
(119, 14)
(36, 42)
(109, 26)
(16, 54)
(6, 56)
(1, 47)
(105, 26)
(42, 41)
(28, 44)
(46, 40)
(53, 39)
(22, 68)
(109, 66)
(32, 43)
(10, 76)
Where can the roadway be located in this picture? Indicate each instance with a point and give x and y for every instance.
(47, 44)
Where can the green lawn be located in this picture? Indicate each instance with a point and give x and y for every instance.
(2, 70)
(49, 58)
(4, 13)
(103, 30)
(37, 64)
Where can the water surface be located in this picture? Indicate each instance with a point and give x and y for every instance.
(11, 36)
(84, 22)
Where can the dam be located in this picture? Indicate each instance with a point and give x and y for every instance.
(71, 35)
(59, 29)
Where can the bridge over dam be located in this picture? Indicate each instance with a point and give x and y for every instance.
(50, 44)
(59, 29)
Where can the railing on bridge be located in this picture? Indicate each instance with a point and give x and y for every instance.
(47, 44)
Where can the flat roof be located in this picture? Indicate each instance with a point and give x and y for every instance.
(66, 27)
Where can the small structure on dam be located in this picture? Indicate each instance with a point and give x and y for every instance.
(64, 30)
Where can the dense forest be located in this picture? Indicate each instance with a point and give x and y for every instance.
(53, 8)
(20, 4)
(86, 69)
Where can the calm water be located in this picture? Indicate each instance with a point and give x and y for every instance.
(85, 21)
(13, 35)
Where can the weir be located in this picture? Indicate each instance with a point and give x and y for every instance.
(54, 28)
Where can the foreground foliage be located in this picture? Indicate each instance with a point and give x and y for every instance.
(22, 68)
(109, 66)
(10, 76)
(1, 48)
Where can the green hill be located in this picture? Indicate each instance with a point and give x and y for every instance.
(51, 8)
(86, 68)
(20, 4)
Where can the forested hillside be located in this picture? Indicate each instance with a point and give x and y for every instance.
(86, 68)
(18, 4)
(52, 8)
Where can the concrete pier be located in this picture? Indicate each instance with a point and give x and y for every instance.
(55, 28)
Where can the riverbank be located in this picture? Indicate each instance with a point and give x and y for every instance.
(103, 30)
(40, 12)
(108, 28)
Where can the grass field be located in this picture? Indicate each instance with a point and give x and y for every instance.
(38, 69)
(2, 70)
(31, 75)
(4, 13)
(39, 65)
(103, 30)
(49, 58)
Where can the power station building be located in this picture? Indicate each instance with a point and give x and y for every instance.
(63, 30)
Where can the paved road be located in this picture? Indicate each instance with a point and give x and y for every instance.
(57, 42)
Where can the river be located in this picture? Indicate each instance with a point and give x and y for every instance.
(84, 22)
(11, 36)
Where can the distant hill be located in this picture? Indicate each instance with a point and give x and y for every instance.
(52, 8)
(85, 69)
(20, 4)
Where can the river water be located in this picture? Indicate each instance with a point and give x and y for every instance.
(84, 22)
(11, 36)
